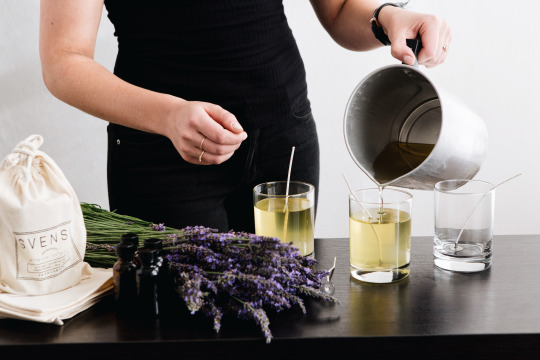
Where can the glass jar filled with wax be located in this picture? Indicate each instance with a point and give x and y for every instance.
(380, 234)
(287, 214)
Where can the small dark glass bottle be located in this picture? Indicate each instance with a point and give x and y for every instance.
(125, 278)
(166, 293)
(156, 244)
(133, 239)
(148, 284)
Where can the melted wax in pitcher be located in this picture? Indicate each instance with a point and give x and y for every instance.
(397, 159)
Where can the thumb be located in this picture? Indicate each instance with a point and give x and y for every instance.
(401, 51)
(223, 117)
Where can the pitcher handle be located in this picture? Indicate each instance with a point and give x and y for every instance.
(416, 46)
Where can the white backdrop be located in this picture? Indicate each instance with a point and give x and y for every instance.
(492, 67)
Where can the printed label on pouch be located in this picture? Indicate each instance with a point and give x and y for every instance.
(46, 253)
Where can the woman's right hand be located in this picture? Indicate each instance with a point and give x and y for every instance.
(204, 133)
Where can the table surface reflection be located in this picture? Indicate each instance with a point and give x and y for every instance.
(490, 314)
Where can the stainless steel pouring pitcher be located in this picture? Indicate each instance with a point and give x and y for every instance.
(402, 130)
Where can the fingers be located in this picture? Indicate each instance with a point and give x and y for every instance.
(212, 126)
(400, 50)
(204, 158)
(436, 38)
(223, 117)
(214, 153)
(434, 32)
(443, 50)
(199, 136)
(212, 147)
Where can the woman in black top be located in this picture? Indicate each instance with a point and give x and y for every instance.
(206, 82)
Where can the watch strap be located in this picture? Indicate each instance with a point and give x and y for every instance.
(376, 26)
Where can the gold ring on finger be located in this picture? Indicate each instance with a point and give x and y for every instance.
(200, 156)
(202, 142)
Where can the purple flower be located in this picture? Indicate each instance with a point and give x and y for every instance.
(158, 227)
(98, 247)
(239, 273)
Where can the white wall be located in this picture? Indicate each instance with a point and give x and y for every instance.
(492, 67)
(75, 140)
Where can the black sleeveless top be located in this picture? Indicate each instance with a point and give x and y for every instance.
(239, 54)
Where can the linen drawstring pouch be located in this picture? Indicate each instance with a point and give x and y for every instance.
(42, 231)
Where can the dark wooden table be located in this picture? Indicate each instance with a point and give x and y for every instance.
(434, 314)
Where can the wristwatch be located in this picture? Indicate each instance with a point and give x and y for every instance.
(376, 26)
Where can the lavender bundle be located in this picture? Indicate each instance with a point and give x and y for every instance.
(216, 273)
(104, 228)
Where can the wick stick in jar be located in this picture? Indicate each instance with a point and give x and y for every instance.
(368, 215)
(355, 198)
(288, 180)
(286, 209)
(459, 248)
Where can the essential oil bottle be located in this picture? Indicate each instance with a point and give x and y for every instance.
(125, 278)
(133, 239)
(166, 292)
(147, 276)
(156, 244)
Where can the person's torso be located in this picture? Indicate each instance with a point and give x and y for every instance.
(239, 54)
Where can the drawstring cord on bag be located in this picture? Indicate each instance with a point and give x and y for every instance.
(25, 150)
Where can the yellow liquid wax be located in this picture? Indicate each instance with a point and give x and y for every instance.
(292, 224)
(380, 244)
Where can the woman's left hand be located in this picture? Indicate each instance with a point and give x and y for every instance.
(400, 24)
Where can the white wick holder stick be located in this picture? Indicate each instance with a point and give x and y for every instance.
(474, 208)
(288, 180)
(355, 198)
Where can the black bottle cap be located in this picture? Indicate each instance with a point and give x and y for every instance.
(131, 238)
(125, 250)
(153, 243)
(147, 256)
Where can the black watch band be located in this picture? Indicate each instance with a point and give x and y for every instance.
(376, 26)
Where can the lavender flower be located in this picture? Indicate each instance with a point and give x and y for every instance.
(261, 318)
(255, 272)
(100, 247)
(158, 227)
(217, 273)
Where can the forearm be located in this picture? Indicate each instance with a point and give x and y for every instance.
(83, 83)
(348, 22)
